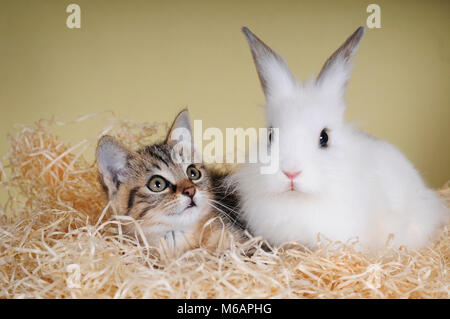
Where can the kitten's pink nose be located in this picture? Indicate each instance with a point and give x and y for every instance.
(292, 175)
(189, 191)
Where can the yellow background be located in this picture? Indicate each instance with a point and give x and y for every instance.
(145, 60)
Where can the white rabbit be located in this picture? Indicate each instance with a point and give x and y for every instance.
(332, 179)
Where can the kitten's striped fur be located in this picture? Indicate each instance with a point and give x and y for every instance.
(178, 213)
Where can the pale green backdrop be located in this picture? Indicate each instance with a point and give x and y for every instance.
(145, 60)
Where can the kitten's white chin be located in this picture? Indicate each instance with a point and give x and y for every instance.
(188, 217)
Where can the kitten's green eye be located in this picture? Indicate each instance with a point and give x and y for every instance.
(193, 173)
(157, 184)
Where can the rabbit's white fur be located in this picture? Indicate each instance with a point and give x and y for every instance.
(358, 186)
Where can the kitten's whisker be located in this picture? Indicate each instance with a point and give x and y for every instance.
(223, 190)
(164, 208)
(226, 214)
(168, 208)
(168, 204)
(225, 206)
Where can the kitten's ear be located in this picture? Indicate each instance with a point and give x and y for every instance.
(336, 70)
(112, 162)
(180, 129)
(273, 72)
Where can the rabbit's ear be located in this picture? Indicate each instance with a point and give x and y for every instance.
(336, 70)
(113, 163)
(273, 72)
(182, 123)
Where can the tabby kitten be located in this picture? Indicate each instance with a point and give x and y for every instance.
(176, 202)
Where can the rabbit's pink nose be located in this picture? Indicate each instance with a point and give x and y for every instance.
(292, 175)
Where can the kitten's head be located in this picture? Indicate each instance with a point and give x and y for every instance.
(153, 186)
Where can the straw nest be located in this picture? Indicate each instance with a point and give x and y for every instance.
(57, 240)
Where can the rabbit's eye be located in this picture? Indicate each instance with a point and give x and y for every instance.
(323, 140)
(270, 135)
